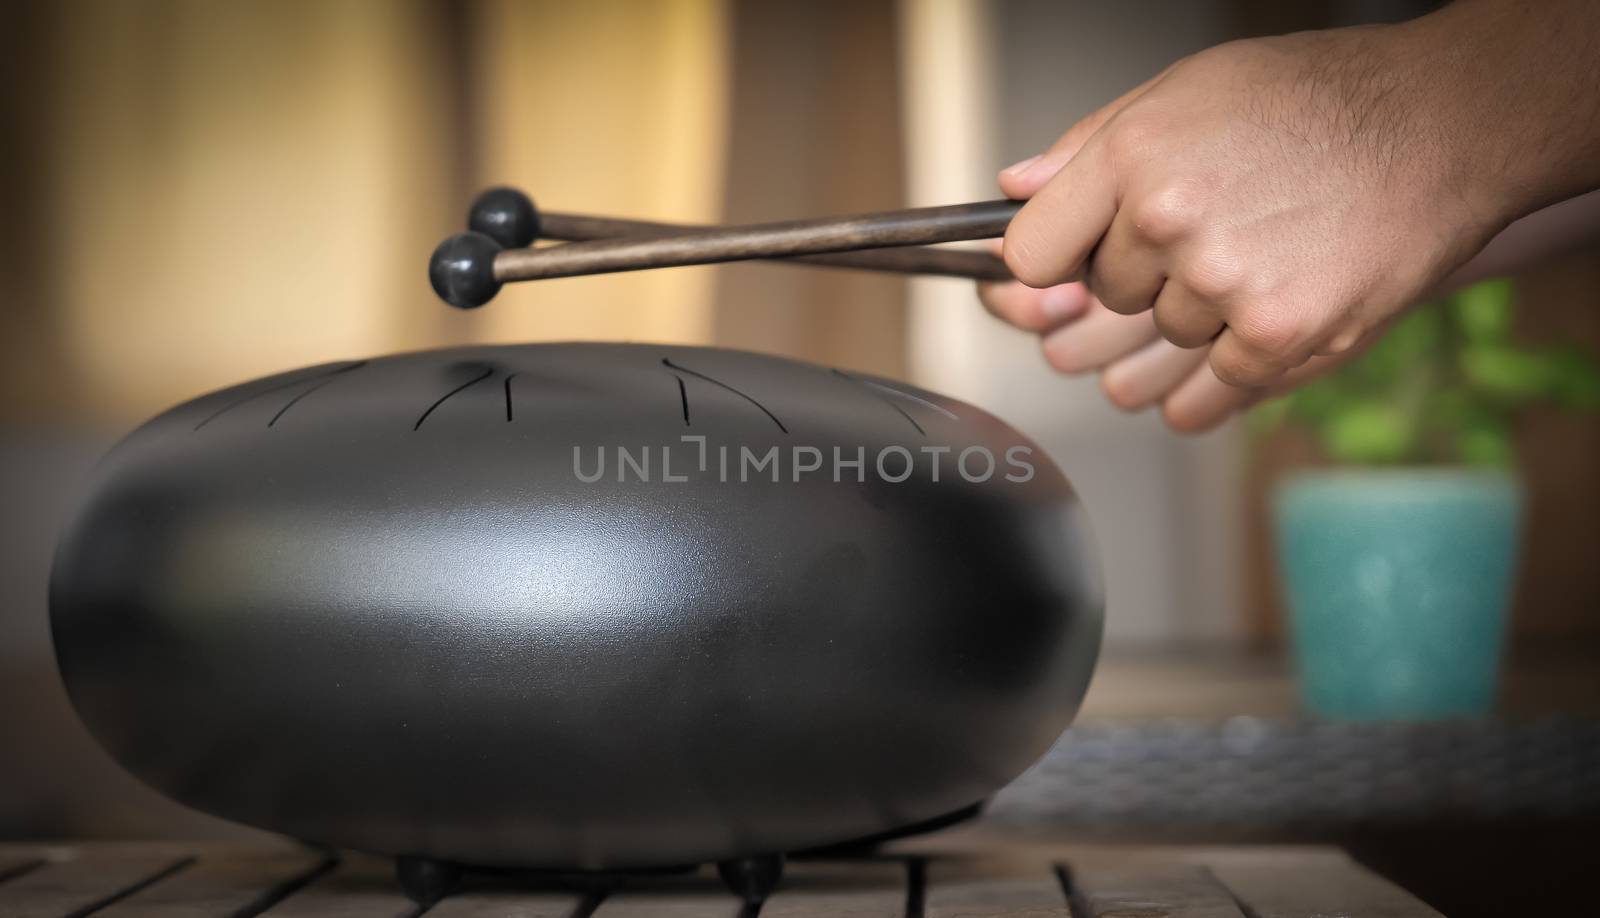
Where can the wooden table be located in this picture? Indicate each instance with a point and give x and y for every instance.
(926, 878)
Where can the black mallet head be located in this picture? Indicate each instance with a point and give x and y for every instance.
(505, 215)
(461, 270)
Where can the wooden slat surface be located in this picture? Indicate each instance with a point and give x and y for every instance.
(84, 883)
(360, 887)
(119, 880)
(1318, 890)
(700, 895)
(1150, 891)
(221, 886)
(15, 865)
(507, 903)
(845, 889)
(1009, 889)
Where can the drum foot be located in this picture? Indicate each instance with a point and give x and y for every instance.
(424, 880)
(752, 879)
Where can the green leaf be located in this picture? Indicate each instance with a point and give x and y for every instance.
(1484, 311)
(1410, 343)
(1370, 434)
(1448, 408)
(1317, 401)
(1508, 373)
(1485, 442)
(1445, 383)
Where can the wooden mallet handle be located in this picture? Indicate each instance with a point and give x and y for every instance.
(918, 226)
(899, 260)
(468, 269)
(509, 217)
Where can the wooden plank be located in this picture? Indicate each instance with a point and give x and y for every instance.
(217, 887)
(970, 888)
(360, 887)
(506, 900)
(1148, 891)
(840, 889)
(15, 866)
(697, 895)
(988, 840)
(1318, 889)
(171, 850)
(84, 883)
(121, 880)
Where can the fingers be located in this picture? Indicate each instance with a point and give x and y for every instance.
(1139, 368)
(1324, 363)
(1052, 236)
(1226, 292)
(1023, 180)
(1034, 310)
(1304, 373)
(1184, 318)
(1125, 272)
(1045, 260)
(1201, 402)
(1097, 339)
(1149, 375)
(1240, 360)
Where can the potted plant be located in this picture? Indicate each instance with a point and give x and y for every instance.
(1398, 560)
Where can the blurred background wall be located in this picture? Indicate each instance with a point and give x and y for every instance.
(204, 192)
(197, 193)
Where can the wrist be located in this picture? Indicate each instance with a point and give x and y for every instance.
(1509, 97)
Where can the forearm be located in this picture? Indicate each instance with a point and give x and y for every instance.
(1515, 86)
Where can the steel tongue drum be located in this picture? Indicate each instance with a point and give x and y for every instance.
(577, 607)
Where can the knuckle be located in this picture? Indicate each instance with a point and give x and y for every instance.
(1269, 331)
(1215, 274)
(1236, 369)
(1169, 330)
(1110, 299)
(1103, 288)
(1261, 284)
(1118, 302)
(1342, 342)
(1115, 290)
(1184, 334)
(1166, 215)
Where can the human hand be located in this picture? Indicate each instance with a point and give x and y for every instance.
(1138, 369)
(1267, 201)
(1304, 190)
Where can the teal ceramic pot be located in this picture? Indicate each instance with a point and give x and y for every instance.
(1398, 584)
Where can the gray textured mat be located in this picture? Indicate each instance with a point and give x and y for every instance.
(1249, 774)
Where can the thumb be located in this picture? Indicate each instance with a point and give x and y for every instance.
(1022, 180)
